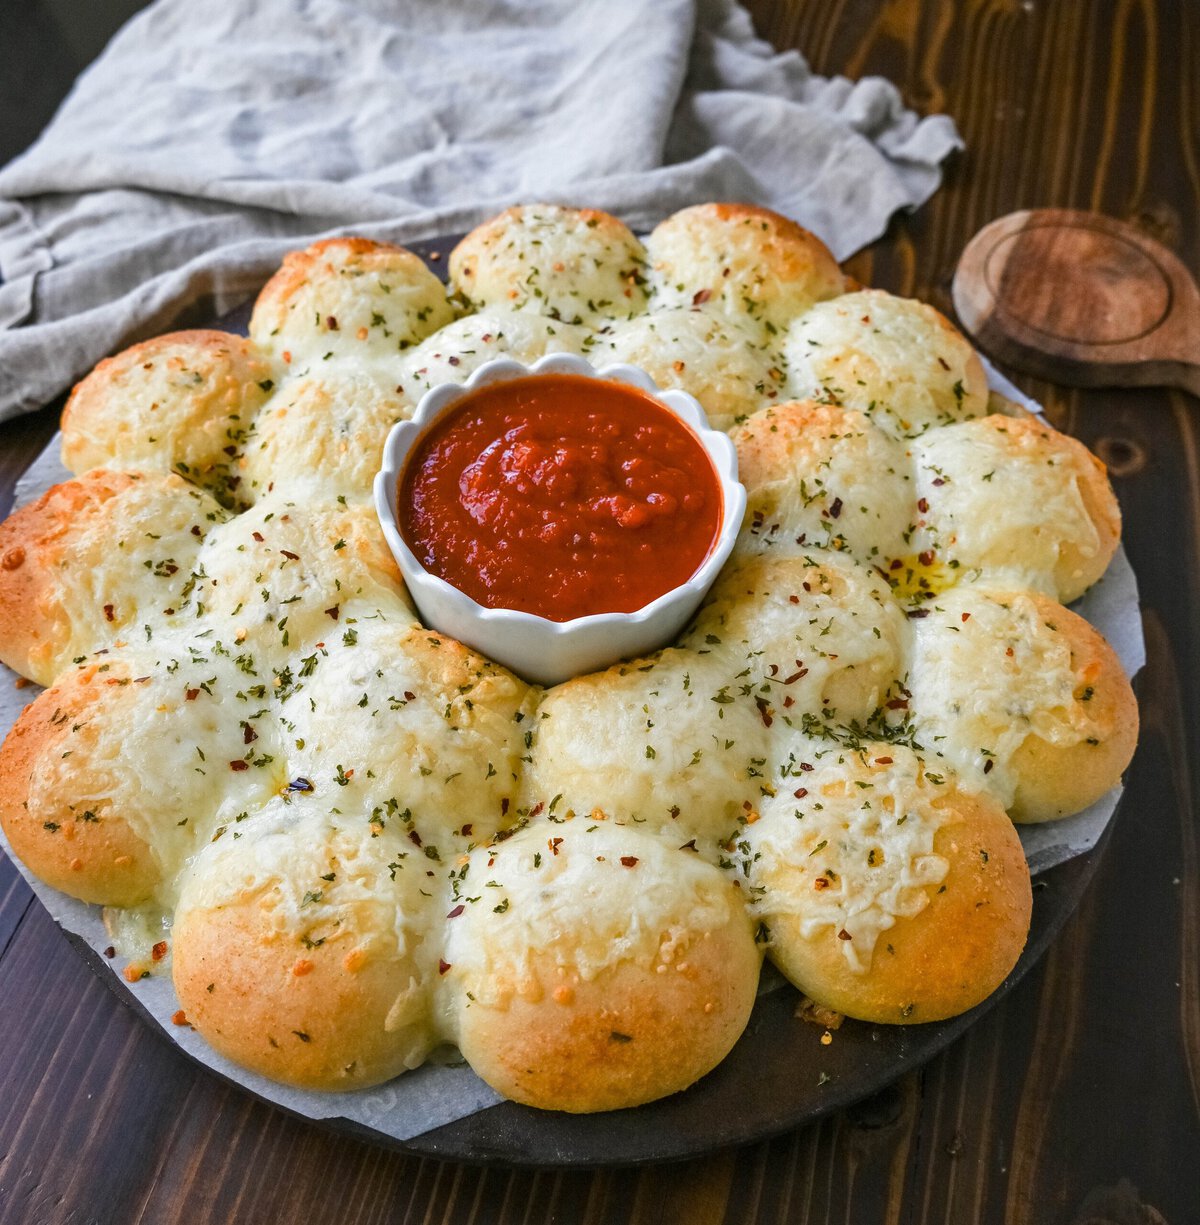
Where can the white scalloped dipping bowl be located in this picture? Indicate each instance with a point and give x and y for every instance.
(544, 651)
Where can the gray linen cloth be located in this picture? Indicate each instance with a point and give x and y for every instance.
(211, 137)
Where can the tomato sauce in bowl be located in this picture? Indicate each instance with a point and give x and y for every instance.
(561, 496)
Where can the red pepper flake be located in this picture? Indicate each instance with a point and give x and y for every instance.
(915, 614)
(764, 711)
(939, 481)
(925, 557)
(793, 599)
(800, 792)
(409, 696)
(196, 529)
(290, 555)
(701, 296)
(795, 676)
(334, 612)
(414, 837)
(504, 807)
(108, 613)
(554, 844)
(628, 861)
(1009, 652)
(844, 935)
(533, 812)
(674, 810)
(249, 735)
(257, 536)
(239, 766)
(454, 361)
(331, 323)
(465, 832)
(110, 952)
(821, 883)
(896, 564)
(443, 966)
(191, 695)
(789, 701)
(804, 765)
(898, 704)
(179, 1017)
(835, 508)
(231, 451)
(966, 617)
(987, 766)
(159, 951)
(456, 911)
(883, 761)
(773, 670)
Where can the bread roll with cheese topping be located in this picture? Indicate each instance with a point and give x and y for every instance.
(410, 725)
(746, 263)
(1023, 698)
(302, 948)
(321, 439)
(899, 361)
(811, 633)
(726, 367)
(577, 265)
(95, 557)
(594, 966)
(890, 894)
(674, 742)
(112, 775)
(822, 476)
(455, 352)
(290, 573)
(178, 403)
(1013, 497)
(348, 300)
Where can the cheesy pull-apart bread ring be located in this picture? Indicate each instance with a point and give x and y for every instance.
(301, 947)
(1022, 697)
(589, 966)
(746, 263)
(898, 360)
(348, 300)
(1018, 500)
(890, 894)
(818, 475)
(178, 403)
(407, 724)
(577, 265)
(111, 777)
(104, 554)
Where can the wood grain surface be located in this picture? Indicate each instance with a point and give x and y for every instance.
(1076, 1101)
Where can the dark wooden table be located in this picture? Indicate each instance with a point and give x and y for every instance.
(1076, 1101)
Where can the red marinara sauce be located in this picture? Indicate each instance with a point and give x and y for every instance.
(562, 496)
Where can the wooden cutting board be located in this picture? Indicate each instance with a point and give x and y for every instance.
(1079, 298)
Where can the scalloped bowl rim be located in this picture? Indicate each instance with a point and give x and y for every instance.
(440, 399)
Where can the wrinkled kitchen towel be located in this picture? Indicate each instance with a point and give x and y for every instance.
(210, 138)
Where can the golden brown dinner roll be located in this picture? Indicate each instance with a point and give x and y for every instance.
(302, 948)
(589, 966)
(743, 262)
(112, 775)
(1023, 698)
(178, 403)
(94, 557)
(1014, 498)
(823, 476)
(899, 361)
(890, 894)
(577, 265)
(348, 300)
